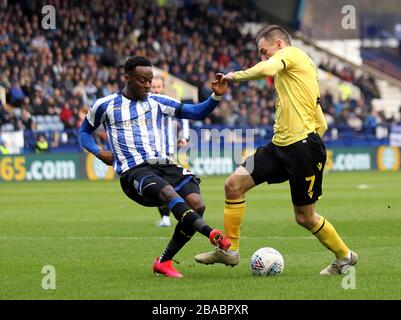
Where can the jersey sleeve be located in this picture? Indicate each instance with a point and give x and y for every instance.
(168, 105)
(97, 113)
(175, 108)
(260, 70)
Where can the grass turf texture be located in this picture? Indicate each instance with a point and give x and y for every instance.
(103, 245)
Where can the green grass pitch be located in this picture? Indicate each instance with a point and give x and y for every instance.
(102, 245)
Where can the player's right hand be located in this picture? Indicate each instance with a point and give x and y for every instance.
(219, 85)
(106, 156)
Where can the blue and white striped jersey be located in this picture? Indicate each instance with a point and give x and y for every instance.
(137, 130)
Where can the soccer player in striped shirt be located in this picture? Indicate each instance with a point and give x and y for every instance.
(295, 154)
(177, 135)
(134, 122)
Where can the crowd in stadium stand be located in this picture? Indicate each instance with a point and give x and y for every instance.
(61, 72)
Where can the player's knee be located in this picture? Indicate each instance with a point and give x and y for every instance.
(305, 221)
(196, 203)
(300, 219)
(167, 193)
(232, 187)
(200, 208)
(154, 187)
(150, 186)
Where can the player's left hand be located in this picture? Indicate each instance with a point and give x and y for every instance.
(219, 85)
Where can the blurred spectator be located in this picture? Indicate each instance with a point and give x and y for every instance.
(345, 91)
(254, 116)
(26, 104)
(242, 119)
(3, 148)
(39, 105)
(26, 120)
(265, 121)
(216, 117)
(370, 123)
(342, 118)
(3, 114)
(17, 95)
(41, 145)
(354, 122)
(366, 83)
(67, 116)
(226, 113)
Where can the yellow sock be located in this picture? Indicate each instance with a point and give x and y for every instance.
(233, 214)
(329, 237)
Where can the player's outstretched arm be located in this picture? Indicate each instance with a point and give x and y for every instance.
(261, 70)
(199, 111)
(86, 140)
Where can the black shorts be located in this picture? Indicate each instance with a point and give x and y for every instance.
(301, 163)
(183, 181)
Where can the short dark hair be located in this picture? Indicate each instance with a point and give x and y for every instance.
(274, 32)
(135, 61)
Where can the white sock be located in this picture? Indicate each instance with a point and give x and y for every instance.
(232, 252)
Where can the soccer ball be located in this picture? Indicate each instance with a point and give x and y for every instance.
(266, 262)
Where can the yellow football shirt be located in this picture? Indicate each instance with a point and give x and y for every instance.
(298, 112)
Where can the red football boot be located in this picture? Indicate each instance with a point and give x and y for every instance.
(166, 268)
(217, 238)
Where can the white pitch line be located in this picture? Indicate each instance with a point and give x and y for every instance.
(82, 238)
(364, 186)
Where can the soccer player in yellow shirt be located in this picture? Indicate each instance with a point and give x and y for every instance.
(296, 153)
